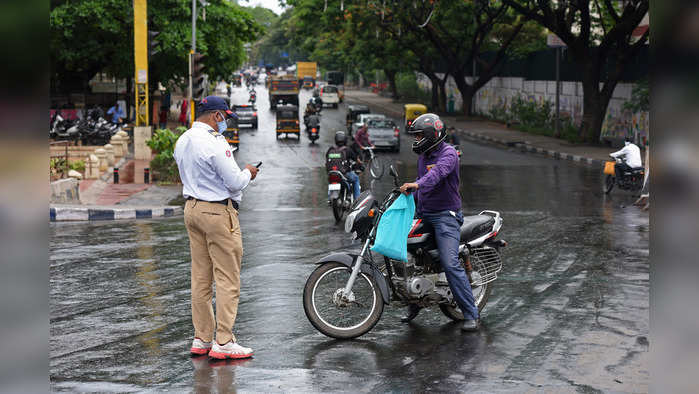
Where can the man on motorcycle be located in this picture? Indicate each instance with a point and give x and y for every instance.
(439, 203)
(347, 157)
(452, 138)
(630, 155)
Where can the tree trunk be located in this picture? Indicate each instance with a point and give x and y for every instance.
(391, 76)
(435, 92)
(443, 93)
(466, 91)
(595, 103)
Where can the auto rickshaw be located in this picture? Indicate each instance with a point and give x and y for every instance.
(288, 120)
(231, 134)
(352, 112)
(237, 80)
(412, 111)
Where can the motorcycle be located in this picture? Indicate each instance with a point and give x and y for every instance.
(629, 180)
(253, 97)
(312, 124)
(63, 129)
(340, 192)
(344, 296)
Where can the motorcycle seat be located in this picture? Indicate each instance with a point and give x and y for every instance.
(476, 226)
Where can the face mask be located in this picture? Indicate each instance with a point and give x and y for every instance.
(222, 125)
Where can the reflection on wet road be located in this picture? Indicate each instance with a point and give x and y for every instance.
(569, 312)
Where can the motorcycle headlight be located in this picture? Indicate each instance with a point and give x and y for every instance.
(349, 222)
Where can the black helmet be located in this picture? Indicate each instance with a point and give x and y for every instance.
(340, 138)
(432, 129)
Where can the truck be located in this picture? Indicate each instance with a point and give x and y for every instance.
(284, 89)
(306, 70)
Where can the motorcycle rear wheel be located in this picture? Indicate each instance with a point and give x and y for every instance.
(609, 181)
(480, 294)
(339, 204)
(341, 321)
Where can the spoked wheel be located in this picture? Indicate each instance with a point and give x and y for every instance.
(339, 204)
(333, 313)
(376, 168)
(608, 184)
(481, 293)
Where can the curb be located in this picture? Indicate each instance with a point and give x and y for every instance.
(65, 214)
(533, 149)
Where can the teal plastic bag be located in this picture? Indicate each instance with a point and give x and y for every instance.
(394, 227)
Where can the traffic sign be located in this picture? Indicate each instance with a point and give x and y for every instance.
(554, 41)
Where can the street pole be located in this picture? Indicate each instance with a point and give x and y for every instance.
(558, 92)
(473, 74)
(191, 53)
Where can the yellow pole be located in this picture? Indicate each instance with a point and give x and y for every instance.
(140, 30)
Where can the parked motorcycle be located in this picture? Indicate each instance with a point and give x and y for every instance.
(345, 295)
(63, 129)
(629, 180)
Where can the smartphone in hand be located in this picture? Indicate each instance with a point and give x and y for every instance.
(258, 165)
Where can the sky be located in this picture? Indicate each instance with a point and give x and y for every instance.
(271, 4)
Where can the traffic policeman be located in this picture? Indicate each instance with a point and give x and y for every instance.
(213, 186)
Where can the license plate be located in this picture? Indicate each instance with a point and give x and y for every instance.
(334, 186)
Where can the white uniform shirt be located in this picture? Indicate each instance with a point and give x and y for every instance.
(207, 167)
(631, 154)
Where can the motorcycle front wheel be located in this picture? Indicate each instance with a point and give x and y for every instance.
(608, 184)
(335, 316)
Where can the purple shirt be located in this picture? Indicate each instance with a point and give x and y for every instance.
(438, 177)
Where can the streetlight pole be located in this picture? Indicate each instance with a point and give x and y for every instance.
(189, 58)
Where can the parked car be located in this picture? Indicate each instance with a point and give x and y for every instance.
(247, 114)
(362, 119)
(384, 133)
(329, 95)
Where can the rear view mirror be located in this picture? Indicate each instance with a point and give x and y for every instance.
(392, 171)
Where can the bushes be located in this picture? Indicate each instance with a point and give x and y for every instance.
(536, 118)
(163, 165)
(408, 89)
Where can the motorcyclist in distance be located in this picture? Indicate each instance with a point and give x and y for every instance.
(630, 155)
(347, 157)
(452, 138)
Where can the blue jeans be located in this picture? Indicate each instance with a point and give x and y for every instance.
(447, 234)
(354, 181)
(354, 184)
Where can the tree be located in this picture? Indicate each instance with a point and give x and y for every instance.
(90, 36)
(599, 36)
(460, 31)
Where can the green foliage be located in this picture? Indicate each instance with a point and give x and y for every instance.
(529, 113)
(90, 36)
(78, 165)
(163, 165)
(640, 97)
(408, 89)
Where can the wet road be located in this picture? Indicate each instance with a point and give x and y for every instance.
(569, 312)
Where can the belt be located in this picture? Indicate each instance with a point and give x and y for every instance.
(222, 202)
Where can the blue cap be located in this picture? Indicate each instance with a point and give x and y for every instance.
(214, 103)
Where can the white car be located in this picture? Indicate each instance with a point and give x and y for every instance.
(362, 119)
(328, 94)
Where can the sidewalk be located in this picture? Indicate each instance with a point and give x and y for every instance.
(101, 199)
(495, 132)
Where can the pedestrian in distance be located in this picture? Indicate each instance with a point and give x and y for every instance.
(213, 185)
(439, 203)
(116, 113)
(183, 113)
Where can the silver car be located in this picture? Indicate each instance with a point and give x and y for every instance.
(384, 134)
(362, 119)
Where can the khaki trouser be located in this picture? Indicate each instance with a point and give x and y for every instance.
(216, 245)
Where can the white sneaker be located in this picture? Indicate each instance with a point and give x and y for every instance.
(200, 347)
(229, 350)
